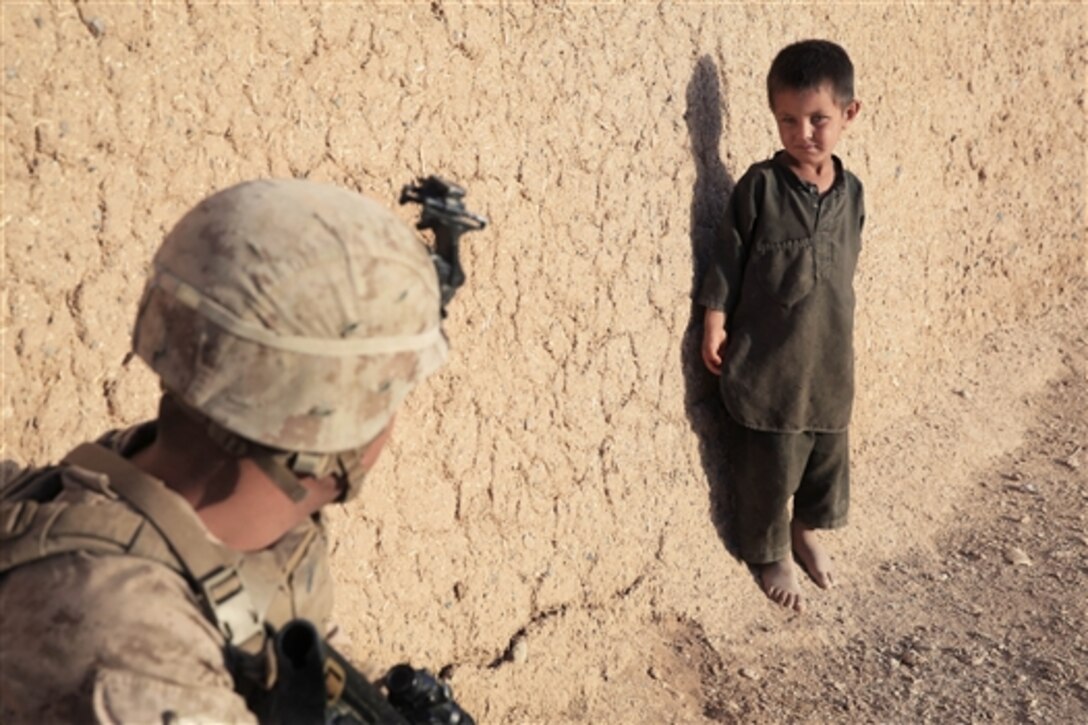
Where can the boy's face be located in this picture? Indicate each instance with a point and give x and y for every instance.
(810, 122)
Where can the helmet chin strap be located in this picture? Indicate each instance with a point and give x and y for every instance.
(284, 478)
(284, 468)
(345, 467)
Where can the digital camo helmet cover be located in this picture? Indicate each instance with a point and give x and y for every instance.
(292, 313)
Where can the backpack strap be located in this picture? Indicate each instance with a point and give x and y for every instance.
(39, 484)
(33, 528)
(44, 514)
(212, 569)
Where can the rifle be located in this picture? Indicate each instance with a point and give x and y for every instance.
(316, 685)
(444, 212)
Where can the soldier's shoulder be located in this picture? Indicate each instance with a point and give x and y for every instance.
(9, 471)
(118, 635)
(109, 591)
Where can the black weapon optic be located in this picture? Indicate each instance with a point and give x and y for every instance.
(422, 698)
(443, 211)
(316, 685)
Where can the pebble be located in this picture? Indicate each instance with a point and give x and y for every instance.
(1017, 557)
(97, 27)
(911, 658)
(749, 673)
(520, 652)
(1071, 461)
(1023, 487)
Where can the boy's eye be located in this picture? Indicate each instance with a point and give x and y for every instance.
(818, 120)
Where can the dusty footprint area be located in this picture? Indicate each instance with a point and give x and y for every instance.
(544, 526)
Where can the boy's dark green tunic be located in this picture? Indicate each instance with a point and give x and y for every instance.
(783, 273)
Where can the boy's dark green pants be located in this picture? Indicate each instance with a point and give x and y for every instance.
(767, 469)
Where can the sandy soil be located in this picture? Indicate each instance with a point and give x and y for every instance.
(983, 619)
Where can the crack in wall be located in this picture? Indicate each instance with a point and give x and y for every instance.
(515, 652)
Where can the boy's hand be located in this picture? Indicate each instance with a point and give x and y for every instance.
(713, 340)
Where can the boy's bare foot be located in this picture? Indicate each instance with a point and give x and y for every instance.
(814, 559)
(780, 584)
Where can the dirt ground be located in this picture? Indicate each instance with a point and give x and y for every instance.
(983, 620)
(547, 527)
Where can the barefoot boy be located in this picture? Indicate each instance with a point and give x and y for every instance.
(779, 319)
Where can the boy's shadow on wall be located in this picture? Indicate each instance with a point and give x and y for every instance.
(702, 403)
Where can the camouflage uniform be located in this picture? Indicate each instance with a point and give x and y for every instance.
(125, 638)
(292, 318)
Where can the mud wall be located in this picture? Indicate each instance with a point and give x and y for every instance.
(546, 497)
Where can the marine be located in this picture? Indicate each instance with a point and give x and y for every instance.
(141, 575)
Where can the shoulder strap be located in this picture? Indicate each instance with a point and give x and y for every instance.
(136, 515)
(212, 569)
(33, 528)
(38, 484)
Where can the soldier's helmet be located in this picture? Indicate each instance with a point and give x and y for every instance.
(294, 315)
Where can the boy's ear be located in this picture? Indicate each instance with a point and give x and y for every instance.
(852, 109)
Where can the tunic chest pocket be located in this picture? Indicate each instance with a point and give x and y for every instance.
(785, 269)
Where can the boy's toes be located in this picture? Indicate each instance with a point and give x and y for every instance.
(822, 577)
(789, 600)
(781, 587)
(813, 558)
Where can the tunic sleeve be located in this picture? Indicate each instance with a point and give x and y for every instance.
(720, 288)
(861, 207)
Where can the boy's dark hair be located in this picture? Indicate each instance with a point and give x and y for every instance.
(809, 64)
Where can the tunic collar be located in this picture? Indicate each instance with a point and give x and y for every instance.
(803, 186)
